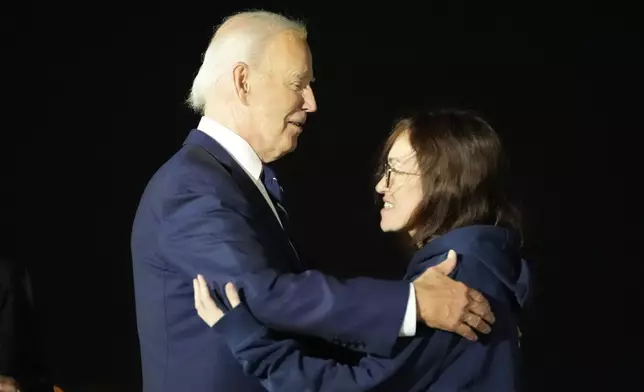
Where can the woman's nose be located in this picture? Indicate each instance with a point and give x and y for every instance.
(381, 186)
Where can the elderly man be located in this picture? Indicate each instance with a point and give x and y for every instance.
(214, 208)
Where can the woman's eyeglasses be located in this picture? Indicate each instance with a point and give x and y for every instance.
(389, 169)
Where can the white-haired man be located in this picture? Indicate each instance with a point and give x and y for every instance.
(214, 209)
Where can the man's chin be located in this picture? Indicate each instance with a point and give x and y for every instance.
(285, 150)
(292, 142)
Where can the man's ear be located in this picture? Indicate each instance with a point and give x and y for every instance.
(240, 81)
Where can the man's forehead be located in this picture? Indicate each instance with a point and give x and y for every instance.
(291, 52)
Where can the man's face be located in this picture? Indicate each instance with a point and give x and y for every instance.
(280, 95)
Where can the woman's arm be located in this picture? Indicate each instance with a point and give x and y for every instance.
(280, 364)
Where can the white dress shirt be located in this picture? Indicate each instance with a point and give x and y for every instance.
(248, 159)
(241, 152)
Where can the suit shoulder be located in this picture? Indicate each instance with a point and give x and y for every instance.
(190, 171)
(192, 166)
(195, 159)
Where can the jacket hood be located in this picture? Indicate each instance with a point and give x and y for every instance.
(498, 248)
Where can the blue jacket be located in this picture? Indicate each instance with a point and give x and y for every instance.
(434, 360)
(201, 213)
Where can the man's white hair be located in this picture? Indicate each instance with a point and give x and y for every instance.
(240, 38)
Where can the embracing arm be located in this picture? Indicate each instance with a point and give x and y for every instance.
(281, 365)
(202, 234)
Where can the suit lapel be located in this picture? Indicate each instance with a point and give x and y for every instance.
(246, 184)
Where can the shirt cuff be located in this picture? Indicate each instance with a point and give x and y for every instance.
(409, 322)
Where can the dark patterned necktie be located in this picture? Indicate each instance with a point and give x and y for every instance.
(275, 192)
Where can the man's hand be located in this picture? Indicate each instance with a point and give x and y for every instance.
(446, 304)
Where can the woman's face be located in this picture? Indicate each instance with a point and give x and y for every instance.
(400, 186)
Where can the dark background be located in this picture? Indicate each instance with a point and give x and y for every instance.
(560, 83)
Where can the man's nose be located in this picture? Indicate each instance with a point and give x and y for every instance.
(309, 100)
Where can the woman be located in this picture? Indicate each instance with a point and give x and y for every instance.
(441, 186)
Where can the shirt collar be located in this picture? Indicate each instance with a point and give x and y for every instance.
(236, 146)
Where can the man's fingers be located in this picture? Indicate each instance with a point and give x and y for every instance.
(232, 294)
(446, 266)
(476, 295)
(480, 308)
(477, 323)
(465, 331)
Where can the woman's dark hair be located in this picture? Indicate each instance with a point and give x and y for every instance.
(462, 167)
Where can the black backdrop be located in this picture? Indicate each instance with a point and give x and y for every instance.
(560, 84)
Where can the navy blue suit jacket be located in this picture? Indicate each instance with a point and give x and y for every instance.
(201, 213)
(434, 360)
